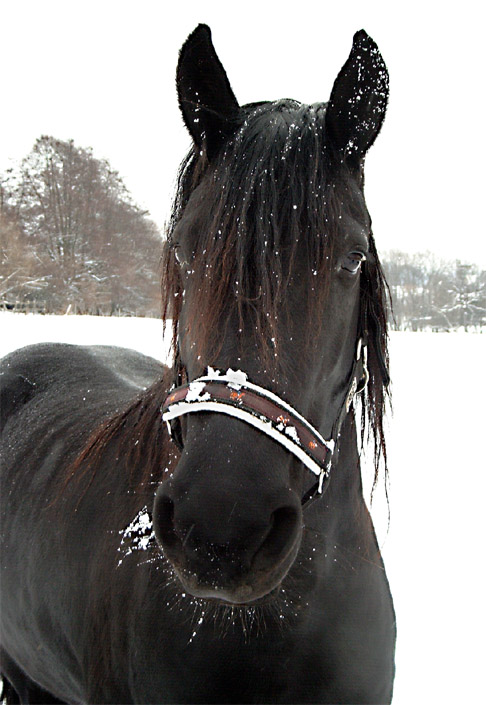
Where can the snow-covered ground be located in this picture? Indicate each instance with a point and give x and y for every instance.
(435, 542)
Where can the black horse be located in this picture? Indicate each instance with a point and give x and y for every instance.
(232, 560)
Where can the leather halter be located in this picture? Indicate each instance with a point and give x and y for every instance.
(231, 393)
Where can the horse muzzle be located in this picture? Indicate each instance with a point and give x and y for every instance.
(235, 547)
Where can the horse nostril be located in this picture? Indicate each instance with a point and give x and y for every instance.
(280, 539)
(164, 526)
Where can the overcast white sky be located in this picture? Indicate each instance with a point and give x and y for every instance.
(102, 73)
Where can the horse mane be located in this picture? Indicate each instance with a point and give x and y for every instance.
(139, 440)
(274, 189)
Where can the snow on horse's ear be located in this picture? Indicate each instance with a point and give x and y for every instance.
(358, 102)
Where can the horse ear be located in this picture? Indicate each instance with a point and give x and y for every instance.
(359, 97)
(208, 105)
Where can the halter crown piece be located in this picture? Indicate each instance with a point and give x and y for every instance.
(231, 393)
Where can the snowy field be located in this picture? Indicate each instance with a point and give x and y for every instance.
(435, 542)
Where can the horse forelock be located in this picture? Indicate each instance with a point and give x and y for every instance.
(265, 203)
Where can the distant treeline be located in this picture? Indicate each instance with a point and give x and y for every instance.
(432, 294)
(72, 239)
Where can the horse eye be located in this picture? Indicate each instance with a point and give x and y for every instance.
(352, 262)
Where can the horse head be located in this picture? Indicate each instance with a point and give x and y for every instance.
(271, 274)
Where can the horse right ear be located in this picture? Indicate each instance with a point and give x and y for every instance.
(357, 106)
(208, 105)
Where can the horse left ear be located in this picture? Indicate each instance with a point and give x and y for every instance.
(359, 97)
(208, 105)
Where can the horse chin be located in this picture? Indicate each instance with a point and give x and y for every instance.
(260, 601)
(257, 587)
(242, 596)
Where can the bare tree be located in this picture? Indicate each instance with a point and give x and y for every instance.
(467, 300)
(21, 275)
(88, 237)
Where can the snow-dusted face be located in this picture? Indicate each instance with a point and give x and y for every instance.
(270, 247)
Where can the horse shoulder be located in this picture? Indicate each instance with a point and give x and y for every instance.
(47, 367)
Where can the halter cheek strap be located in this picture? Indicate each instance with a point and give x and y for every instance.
(232, 394)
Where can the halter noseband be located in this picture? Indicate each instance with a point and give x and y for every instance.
(231, 393)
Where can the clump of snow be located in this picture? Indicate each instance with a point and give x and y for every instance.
(137, 536)
(237, 376)
(195, 392)
(292, 432)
